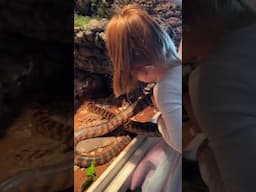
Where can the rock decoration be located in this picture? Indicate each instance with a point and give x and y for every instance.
(36, 52)
(40, 19)
(90, 52)
(83, 7)
(89, 48)
(167, 14)
(89, 86)
(99, 8)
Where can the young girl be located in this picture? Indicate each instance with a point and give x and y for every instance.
(141, 50)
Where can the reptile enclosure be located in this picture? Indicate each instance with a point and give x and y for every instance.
(93, 82)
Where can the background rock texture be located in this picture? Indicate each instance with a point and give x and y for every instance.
(36, 67)
(89, 49)
(41, 19)
(36, 51)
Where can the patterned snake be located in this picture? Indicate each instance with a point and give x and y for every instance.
(114, 121)
(52, 128)
(55, 177)
(148, 128)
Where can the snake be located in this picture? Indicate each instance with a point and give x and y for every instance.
(55, 177)
(114, 121)
(52, 128)
(147, 128)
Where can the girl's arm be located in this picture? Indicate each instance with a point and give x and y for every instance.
(172, 137)
(168, 100)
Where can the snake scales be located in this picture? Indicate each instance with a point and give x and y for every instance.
(59, 131)
(148, 128)
(114, 121)
(54, 177)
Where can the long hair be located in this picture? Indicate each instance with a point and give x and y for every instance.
(134, 39)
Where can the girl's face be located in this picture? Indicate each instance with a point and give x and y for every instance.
(147, 74)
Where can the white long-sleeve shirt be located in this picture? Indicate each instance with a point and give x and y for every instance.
(167, 175)
(168, 98)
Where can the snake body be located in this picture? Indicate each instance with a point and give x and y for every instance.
(55, 177)
(51, 128)
(147, 129)
(104, 128)
(99, 130)
(114, 122)
(103, 157)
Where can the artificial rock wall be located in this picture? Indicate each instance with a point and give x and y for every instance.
(89, 49)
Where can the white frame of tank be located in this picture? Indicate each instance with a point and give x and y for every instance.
(116, 178)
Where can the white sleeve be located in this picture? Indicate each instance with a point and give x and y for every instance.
(180, 50)
(168, 97)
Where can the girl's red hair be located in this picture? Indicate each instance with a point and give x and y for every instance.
(134, 39)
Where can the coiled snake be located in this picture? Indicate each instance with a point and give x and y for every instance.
(114, 121)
